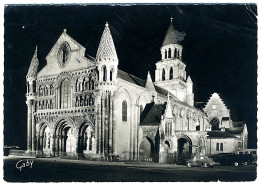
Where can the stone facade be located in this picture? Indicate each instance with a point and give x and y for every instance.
(87, 108)
(225, 136)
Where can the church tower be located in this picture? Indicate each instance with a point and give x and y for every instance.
(31, 103)
(106, 58)
(107, 65)
(170, 72)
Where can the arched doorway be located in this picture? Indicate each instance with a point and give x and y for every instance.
(146, 149)
(44, 141)
(184, 148)
(86, 139)
(70, 142)
(66, 141)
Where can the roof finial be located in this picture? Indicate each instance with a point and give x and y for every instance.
(64, 30)
(106, 24)
(171, 19)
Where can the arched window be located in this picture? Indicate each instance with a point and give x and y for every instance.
(214, 123)
(34, 86)
(197, 128)
(77, 84)
(165, 54)
(45, 91)
(178, 54)
(221, 147)
(169, 53)
(40, 91)
(124, 111)
(104, 73)
(64, 55)
(91, 84)
(28, 87)
(65, 94)
(51, 104)
(111, 75)
(83, 84)
(51, 90)
(163, 74)
(171, 73)
(217, 147)
(175, 53)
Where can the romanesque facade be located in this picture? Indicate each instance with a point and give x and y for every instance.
(87, 108)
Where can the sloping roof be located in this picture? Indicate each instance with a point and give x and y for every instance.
(34, 65)
(238, 124)
(106, 48)
(236, 131)
(225, 118)
(220, 134)
(161, 91)
(130, 78)
(138, 81)
(173, 36)
(151, 114)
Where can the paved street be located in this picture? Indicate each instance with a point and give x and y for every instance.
(63, 170)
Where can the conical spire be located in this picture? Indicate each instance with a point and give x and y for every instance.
(189, 80)
(34, 65)
(173, 36)
(168, 112)
(106, 48)
(149, 83)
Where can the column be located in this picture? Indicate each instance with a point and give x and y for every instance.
(102, 125)
(77, 144)
(113, 128)
(137, 131)
(31, 86)
(167, 74)
(131, 131)
(57, 146)
(29, 126)
(33, 126)
(53, 145)
(110, 125)
(98, 128)
(108, 74)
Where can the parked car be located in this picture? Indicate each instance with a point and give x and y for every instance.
(202, 160)
(230, 159)
(247, 159)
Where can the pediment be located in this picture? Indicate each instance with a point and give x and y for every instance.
(66, 54)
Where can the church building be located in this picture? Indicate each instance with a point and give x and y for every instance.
(87, 108)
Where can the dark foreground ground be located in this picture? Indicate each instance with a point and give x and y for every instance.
(63, 170)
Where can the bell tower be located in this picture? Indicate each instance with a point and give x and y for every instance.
(170, 72)
(31, 103)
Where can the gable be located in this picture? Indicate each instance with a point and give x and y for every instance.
(216, 107)
(56, 62)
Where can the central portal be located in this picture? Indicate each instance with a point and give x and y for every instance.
(184, 148)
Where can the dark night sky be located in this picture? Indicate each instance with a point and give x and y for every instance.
(220, 50)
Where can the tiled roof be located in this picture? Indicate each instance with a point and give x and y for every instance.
(34, 65)
(106, 48)
(235, 130)
(173, 36)
(130, 78)
(220, 134)
(151, 114)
